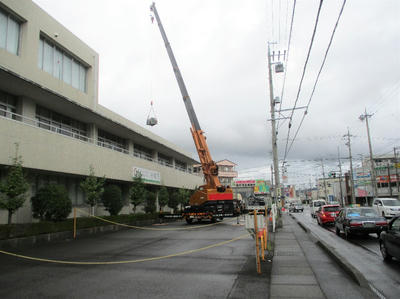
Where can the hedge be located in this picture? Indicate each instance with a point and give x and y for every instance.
(44, 227)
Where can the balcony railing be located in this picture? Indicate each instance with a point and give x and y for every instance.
(69, 133)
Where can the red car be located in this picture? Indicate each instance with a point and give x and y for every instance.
(327, 214)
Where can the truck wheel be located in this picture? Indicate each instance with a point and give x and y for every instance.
(189, 220)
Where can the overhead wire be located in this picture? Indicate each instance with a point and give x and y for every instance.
(302, 76)
(287, 56)
(317, 78)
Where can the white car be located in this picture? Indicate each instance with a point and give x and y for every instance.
(315, 205)
(387, 207)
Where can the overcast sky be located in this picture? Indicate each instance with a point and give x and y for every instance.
(221, 49)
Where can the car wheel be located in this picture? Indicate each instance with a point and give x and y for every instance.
(386, 256)
(189, 220)
(319, 222)
(337, 231)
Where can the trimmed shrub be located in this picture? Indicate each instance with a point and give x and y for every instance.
(51, 203)
(112, 199)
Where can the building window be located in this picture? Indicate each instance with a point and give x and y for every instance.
(8, 105)
(61, 65)
(9, 33)
(61, 124)
(164, 160)
(111, 141)
(180, 165)
(143, 152)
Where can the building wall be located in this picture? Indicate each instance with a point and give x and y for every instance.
(34, 22)
(48, 156)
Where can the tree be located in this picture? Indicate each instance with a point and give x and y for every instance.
(93, 188)
(183, 196)
(12, 191)
(163, 197)
(173, 201)
(112, 199)
(51, 203)
(137, 192)
(150, 202)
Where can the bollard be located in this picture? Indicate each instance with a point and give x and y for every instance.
(257, 244)
(74, 223)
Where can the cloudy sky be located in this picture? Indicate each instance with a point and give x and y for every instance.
(221, 49)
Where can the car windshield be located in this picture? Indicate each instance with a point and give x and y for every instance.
(391, 203)
(331, 209)
(366, 212)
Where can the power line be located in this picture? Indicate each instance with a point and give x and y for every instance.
(302, 76)
(287, 56)
(319, 73)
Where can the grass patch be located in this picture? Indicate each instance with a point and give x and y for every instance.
(44, 227)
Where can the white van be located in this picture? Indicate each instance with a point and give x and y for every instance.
(387, 207)
(315, 205)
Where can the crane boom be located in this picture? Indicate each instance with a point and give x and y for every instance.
(210, 169)
(212, 200)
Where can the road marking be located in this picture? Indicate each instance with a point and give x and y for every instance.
(124, 262)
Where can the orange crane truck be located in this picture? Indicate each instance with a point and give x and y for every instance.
(213, 200)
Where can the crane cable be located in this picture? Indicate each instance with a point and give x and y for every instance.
(302, 76)
(319, 73)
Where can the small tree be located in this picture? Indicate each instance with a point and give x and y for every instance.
(137, 192)
(93, 188)
(183, 196)
(163, 197)
(150, 202)
(112, 199)
(51, 203)
(173, 201)
(12, 191)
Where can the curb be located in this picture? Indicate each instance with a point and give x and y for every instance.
(356, 275)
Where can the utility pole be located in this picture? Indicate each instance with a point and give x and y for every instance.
(373, 173)
(348, 143)
(272, 181)
(310, 190)
(273, 125)
(340, 180)
(389, 180)
(397, 175)
(323, 176)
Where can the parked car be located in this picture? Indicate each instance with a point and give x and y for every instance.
(327, 214)
(389, 241)
(315, 205)
(296, 207)
(361, 220)
(387, 207)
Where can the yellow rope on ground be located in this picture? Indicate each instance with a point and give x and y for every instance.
(149, 228)
(123, 262)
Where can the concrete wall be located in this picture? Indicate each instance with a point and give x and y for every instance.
(25, 64)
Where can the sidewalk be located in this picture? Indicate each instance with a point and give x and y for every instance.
(301, 269)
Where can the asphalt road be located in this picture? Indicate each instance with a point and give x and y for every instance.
(363, 253)
(217, 272)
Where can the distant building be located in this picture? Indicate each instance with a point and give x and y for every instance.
(226, 171)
